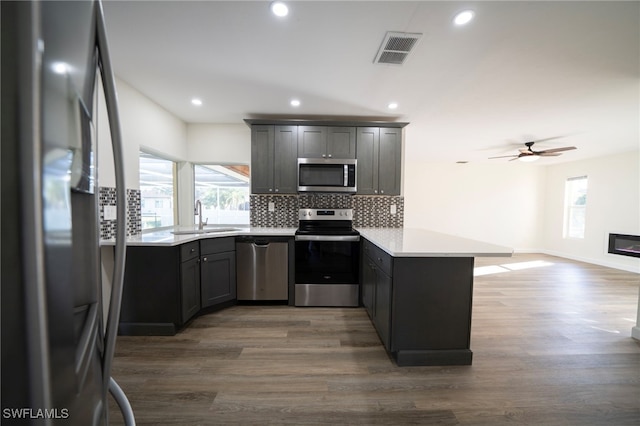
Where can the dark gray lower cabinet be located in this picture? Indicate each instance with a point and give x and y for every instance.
(420, 306)
(218, 271)
(376, 296)
(164, 287)
(190, 288)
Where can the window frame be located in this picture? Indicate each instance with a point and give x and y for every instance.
(174, 195)
(248, 187)
(569, 208)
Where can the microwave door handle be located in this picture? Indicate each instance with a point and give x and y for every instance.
(346, 175)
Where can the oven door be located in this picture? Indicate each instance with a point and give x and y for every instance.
(326, 270)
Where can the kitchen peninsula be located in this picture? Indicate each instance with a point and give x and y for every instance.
(416, 285)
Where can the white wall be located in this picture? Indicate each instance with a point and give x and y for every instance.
(613, 205)
(145, 125)
(496, 203)
(220, 143)
(210, 143)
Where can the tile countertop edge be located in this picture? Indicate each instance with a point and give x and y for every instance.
(165, 238)
(418, 242)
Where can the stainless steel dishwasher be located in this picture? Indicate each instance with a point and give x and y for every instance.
(262, 269)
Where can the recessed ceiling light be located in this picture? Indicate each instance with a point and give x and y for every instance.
(196, 101)
(295, 103)
(279, 8)
(60, 67)
(393, 105)
(463, 17)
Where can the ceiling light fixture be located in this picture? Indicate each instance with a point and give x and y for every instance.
(463, 17)
(196, 101)
(393, 105)
(60, 67)
(295, 103)
(528, 158)
(279, 9)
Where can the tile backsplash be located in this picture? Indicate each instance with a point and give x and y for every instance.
(107, 197)
(369, 211)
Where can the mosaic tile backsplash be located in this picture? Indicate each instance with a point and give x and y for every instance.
(369, 211)
(107, 197)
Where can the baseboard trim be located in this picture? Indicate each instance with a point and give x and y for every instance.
(599, 262)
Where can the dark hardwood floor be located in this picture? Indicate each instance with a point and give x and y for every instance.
(550, 336)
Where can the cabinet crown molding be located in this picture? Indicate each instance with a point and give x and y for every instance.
(334, 123)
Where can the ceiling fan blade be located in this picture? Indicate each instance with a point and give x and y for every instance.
(548, 154)
(504, 156)
(566, 148)
(549, 139)
(514, 159)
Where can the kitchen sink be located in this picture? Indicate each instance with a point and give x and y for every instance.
(203, 231)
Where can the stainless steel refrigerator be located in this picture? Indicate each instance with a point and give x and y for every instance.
(56, 347)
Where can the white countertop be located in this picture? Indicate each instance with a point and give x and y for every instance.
(398, 242)
(167, 238)
(417, 242)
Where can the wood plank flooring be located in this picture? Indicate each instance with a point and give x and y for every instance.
(550, 336)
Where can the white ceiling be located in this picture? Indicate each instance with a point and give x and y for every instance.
(518, 71)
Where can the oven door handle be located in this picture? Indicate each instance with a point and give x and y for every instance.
(327, 237)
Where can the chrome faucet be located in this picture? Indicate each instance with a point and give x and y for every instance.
(199, 214)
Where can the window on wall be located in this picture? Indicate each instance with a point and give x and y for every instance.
(575, 205)
(223, 191)
(157, 191)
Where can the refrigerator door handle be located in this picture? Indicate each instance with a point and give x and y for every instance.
(113, 318)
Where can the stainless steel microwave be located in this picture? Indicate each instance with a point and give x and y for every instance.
(326, 175)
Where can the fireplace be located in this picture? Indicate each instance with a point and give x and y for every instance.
(625, 245)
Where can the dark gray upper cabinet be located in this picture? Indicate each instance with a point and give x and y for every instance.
(285, 175)
(341, 142)
(379, 160)
(326, 142)
(390, 161)
(262, 158)
(274, 153)
(312, 141)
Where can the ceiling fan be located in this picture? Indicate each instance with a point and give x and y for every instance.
(528, 154)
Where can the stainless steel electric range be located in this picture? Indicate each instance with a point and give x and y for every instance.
(327, 251)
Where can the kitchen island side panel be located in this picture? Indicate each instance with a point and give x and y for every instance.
(432, 301)
(151, 291)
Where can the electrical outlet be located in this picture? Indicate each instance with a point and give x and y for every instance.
(393, 209)
(110, 212)
(272, 206)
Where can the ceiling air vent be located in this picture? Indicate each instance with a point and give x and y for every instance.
(395, 47)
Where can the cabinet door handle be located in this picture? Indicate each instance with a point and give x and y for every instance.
(375, 191)
(277, 189)
(324, 156)
(270, 189)
(329, 155)
(382, 191)
(204, 259)
(192, 250)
